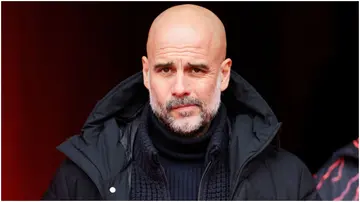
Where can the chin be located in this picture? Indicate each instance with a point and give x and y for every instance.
(184, 114)
(187, 125)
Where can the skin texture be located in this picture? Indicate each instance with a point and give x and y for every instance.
(185, 69)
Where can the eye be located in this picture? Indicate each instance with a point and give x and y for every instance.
(196, 70)
(165, 70)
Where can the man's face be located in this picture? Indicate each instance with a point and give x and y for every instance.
(184, 81)
(184, 98)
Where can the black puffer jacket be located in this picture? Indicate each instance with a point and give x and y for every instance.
(100, 158)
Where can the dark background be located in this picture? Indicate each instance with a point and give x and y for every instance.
(59, 59)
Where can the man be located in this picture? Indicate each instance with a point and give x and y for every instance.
(338, 179)
(196, 131)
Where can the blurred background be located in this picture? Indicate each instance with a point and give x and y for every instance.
(60, 58)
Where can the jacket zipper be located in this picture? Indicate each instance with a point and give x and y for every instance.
(202, 180)
(249, 159)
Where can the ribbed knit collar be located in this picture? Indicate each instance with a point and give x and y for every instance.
(147, 154)
(178, 147)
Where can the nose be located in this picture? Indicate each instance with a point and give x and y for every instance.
(180, 88)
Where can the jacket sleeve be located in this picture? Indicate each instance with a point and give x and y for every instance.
(71, 183)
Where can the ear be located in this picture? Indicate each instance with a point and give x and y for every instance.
(145, 71)
(225, 73)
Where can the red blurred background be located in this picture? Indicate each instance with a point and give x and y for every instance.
(59, 58)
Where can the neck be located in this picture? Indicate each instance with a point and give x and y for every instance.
(181, 146)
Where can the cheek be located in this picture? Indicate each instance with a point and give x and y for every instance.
(205, 90)
(160, 91)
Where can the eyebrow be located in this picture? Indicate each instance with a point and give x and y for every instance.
(199, 65)
(163, 65)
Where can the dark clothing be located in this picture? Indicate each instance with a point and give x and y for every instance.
(104, 156)
(338, 179)
(183, 159)
(175, 170)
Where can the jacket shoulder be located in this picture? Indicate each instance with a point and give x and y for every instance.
(283, 176)
(294, 174)
(70, 182)
(286, 162)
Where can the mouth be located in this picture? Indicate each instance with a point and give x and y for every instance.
(183, 106)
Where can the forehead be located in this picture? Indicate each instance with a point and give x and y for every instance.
(180, 40)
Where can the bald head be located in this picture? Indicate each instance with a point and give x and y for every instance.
(187, 25)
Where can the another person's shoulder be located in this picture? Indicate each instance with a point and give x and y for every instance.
(338, 178)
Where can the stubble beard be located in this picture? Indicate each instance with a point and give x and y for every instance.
(188, 125)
